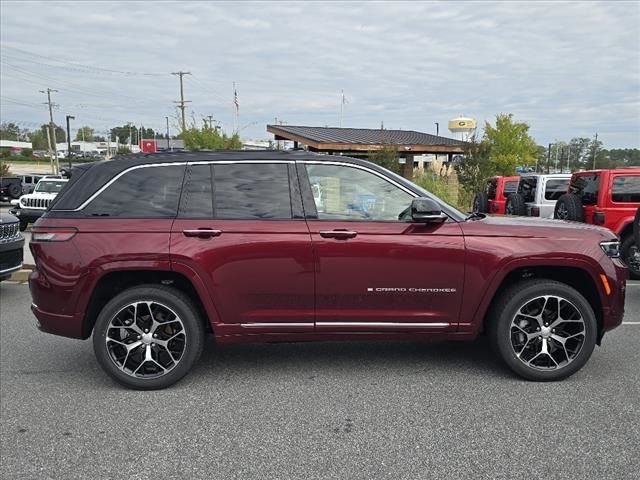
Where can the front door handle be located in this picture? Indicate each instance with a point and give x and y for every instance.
(339, 234)
(202, 233)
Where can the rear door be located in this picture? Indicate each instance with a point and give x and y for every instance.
(241, 229)
(375, 272)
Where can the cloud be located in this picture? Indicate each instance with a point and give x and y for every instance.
(567, 68)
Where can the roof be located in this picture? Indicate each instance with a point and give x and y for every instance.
(345, 139)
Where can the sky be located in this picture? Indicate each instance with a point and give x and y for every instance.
(567, 69)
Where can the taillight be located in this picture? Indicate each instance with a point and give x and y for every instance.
(59, 234)
(535, 212)
(598, 218)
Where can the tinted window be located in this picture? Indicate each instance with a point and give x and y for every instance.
(555, 188)
(346, 193)
(492, 185)
(527, 188)
(50, 186)
(626, 189)
(510, 187)
(197, 193)
(252, 191)
(151, 192)
(586, 187)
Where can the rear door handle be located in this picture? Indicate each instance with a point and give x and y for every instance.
(202, 233)
(338, 234)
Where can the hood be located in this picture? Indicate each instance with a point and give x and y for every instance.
(47, 195)
(533, 227)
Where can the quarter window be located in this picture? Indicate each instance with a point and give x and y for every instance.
(252, 191)
(347, 193)
(554, 189)
(626, 189)
(150, 192)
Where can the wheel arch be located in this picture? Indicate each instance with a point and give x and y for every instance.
(576, 277)
(113, 282)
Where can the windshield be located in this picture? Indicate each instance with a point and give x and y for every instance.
(49, 186)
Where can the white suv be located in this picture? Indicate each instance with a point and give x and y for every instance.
(29, 207)
(537, 194)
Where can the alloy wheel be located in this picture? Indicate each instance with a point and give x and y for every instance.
(562, 213)
(146, 339)
(547, 332)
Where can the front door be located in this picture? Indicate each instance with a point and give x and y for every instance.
(375, 271)
(241, 229)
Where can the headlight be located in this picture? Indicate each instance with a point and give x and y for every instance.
(611, 249)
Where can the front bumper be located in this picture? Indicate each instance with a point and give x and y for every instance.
(29, 215)
(11, 256)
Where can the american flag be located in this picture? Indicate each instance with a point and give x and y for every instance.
(235, 98)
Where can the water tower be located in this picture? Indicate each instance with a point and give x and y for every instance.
(462, 127)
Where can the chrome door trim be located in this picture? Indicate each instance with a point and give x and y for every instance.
(383, 324)
(277, 325)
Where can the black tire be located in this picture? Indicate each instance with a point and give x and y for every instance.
(515, 205)
(502, 334)
(569, 207)
(14, 190)
(630, 255)
(23, 225)
(165, 296)
(481, 202)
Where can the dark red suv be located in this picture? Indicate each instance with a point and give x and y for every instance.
(148, 253)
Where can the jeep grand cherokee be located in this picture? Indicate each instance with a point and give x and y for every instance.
(146, 253)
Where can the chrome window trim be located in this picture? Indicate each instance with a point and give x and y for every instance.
(167, 164)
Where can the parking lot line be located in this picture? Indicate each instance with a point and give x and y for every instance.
(630, 323)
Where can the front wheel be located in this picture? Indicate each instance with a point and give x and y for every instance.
(630, 254)
(148, 337)
(543, 330)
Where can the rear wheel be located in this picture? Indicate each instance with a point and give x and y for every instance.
(543, 330)
(569, 207)
(515, 205)
(630, 254)
(14, 190)
(148, 337)
(481, 202)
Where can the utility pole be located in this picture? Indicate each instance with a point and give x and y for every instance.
(168, 145)
(595, 149)
(182, 101)
(52, 127)
(548, 157)
(69, 117)
(53, 168)
(210, 121)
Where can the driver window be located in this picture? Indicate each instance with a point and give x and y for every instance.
(347, 193)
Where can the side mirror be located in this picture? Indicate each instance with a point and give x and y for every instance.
(425, 210)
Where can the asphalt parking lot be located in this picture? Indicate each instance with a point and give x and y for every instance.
(327, 410)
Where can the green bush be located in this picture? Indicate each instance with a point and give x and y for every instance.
(442, 188)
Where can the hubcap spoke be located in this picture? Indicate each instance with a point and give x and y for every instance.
(547, 332)
(146, 339)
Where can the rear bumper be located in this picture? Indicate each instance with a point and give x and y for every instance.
(64, 325)
(11, 256)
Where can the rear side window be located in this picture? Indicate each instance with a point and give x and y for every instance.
(492, 185)
(510, 187)
(252, 191)
(586, 187)
(150, 192)
(555, 188)
(626, 189)
(527, 188)
(197, 193)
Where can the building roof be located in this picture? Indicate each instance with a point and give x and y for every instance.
(353, 139)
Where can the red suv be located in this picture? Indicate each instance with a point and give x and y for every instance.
(609, 198)
(149, 252)
(494, 198)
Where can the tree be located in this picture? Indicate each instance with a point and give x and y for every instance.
(85, 133)
(476, 166)
(510, 144)
(208, 138)
(387, 157)
(39, 137)
(10, 131)
(122, 133)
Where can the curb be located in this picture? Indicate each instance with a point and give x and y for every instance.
(22, 275)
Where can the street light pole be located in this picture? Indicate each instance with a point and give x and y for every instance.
(168, 146)
(69, 117)
(437, 129)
